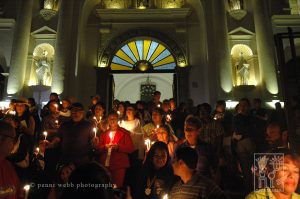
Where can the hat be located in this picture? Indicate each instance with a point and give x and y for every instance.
(21, 101)
(77, 105)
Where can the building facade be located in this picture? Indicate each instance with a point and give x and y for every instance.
(200, 49)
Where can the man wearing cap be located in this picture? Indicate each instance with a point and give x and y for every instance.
(74, 137)
(9, 181)
(191, 185)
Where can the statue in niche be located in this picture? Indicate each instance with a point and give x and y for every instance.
(243, 70)
(143, 3)
(43, 70)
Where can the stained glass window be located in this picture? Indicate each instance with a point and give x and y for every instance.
(143, 55)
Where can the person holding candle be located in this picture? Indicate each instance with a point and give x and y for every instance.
(65, 111)
(51, 122)
(133, 125)
(121, 111)
(9, 181)
(98, 117)
(164, 135)
(156, 176)
(114, 145)
(151, 128)
(75, 138)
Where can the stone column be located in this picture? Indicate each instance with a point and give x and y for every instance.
(62, 47)
(221, 46)
(265, 45)
(20, 48)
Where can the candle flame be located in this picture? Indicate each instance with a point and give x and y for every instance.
(157, 126)
(165, 196)
(37, 149)
(45, 133)
(26, 187)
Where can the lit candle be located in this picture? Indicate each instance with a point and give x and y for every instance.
(12, 112)
(118, 112)
(158, 105)
(56, 122)
(148, 144)
(95, 131)
(26, 188)
(157, 126)
(56, 105)
(111, 137)
(45, 134)
(37, 149)
(165, 196)
(100, 118)
(169, 117)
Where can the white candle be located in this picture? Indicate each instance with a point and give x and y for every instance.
(111, 137)
(26, 188)
(148, 144)
(95, 131)
(169, 117)
(45, 134)
(165, 196)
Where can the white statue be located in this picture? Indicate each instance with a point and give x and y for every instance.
(43, 70)
(243, 70)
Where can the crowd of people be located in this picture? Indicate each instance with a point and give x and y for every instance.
(148, 150)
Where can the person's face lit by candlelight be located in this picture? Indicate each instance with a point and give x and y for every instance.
(191, 134)
(156, 117)
(113, 122)
(162, 135)
(99, 111)
(53, 107)
(77, 114)
(160, 158)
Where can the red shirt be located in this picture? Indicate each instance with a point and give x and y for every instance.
(9, 181)
(119, 158)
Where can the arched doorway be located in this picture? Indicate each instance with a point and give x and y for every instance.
(141, 61)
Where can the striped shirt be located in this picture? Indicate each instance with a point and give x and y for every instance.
(198, 187)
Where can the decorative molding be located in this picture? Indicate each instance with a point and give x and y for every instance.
(105, 55)
(7, 24)
(239, 30)
(143, 15)
(44, 33)
(238, 14)
(48, 14)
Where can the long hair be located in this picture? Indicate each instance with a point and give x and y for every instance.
(148, 164)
